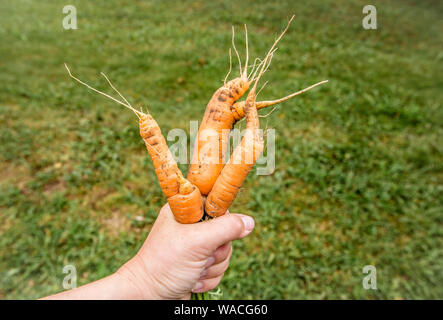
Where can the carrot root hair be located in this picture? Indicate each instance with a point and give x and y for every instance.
(127, 104)
(230, 67)
(238, 107)
(235, 49)
(245, 70)
(264, 104)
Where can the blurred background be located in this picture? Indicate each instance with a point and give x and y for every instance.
(358, 178)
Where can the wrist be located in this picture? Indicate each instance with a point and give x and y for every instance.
(137, 280)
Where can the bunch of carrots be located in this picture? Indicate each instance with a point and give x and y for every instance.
(211, 186)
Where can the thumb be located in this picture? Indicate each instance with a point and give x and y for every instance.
(218, 231)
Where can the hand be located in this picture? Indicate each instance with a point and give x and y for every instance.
(179, 258)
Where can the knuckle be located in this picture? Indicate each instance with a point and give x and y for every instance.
(223, 252)
(237, 224)
(225, 256)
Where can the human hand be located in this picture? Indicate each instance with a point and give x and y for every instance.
(179, 258)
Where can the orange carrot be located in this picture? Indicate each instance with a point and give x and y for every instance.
(234, 173)
(218, 120)
(187, 205)
(183, 197)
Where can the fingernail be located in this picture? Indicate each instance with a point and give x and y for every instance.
(203, 273)
(197, 286)
(209, 262)
(249, 225)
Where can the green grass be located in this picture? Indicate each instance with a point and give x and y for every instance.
(358, 176)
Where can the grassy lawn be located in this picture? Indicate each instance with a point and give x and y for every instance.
(358, 177)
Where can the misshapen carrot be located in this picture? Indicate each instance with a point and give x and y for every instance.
(164, 164)
(241, 162)
(234, 173)
(187, 205)
(183, 197)
(218, 120)
(207, 159)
